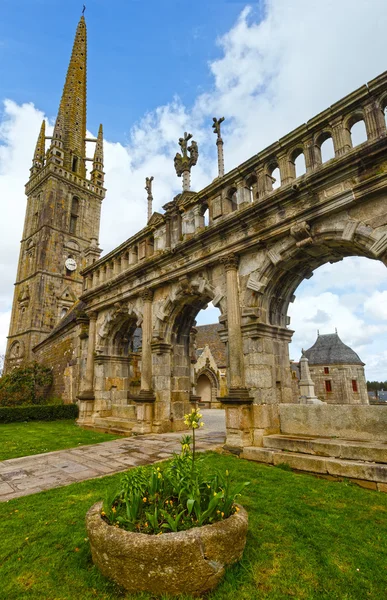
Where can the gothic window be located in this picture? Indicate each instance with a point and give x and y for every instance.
(326, 370)
(74, 166)
(63, 312)
(354, 385)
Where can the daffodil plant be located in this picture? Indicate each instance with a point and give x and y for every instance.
(174, 496)
(194, 421)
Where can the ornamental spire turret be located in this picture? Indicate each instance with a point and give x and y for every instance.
(68, 139)
(97, 174)
(39, 154)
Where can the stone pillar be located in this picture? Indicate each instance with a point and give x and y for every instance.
(239, 425)
(341, 137)
(161, 352)
(307, 393)
(186, 181)
(167, 231)
(310, 155)
(86, 392)
(219, 144)
(146, 398)
(287, 168)
(179, 227)
(374, 121)
(146, 393)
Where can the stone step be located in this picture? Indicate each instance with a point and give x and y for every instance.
(360, 471)
(120, 411)
(114, 424)
(334, 447)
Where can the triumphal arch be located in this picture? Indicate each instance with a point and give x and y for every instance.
(258, 244)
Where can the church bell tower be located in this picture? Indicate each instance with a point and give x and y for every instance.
(61, 227)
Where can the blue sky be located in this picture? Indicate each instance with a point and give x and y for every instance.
(140, 54)
(158, 68)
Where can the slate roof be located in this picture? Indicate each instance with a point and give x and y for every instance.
(328, 349)
(208, 335)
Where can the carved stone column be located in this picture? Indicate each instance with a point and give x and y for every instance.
(145, 399)
(146, 393)
(219, 144)
(374, 121)
(341, 137)
(167, 231)
(86, 393)
(236, 370)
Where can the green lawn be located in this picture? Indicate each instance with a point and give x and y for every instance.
(35, 437)
(308, 539)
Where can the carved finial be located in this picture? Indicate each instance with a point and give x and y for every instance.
(83, 9)
(219, 143)
(318, 332)
(336, 330)
(183, 162)
(148, 187)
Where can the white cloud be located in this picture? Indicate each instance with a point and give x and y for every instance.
(376, 305)
(273, 74)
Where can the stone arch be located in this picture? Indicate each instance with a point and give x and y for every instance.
(189, 295)
(304, 251)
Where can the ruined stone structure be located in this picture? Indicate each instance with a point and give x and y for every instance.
(337, 371)
(259, 245)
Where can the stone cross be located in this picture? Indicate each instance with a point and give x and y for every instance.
(219, 142)
(183, 162)
(148, 187)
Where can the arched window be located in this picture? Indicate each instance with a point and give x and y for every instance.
(357, 130)
(274, 177)
(74, 164)
(232, 198)
(297, 163)
(63, 312)
(206, 217)
(251, 183)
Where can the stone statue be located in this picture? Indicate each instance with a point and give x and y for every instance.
(216, 126)
(148, 185)
(182, 161)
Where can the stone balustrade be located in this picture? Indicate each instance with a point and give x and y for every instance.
(252, 181)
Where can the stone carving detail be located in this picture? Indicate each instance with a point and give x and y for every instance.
(147, 295)
(256, 285)
(230, 262)
(380, 246)
(274, 256)
(302, 234)
(182, 161)
(350, 230)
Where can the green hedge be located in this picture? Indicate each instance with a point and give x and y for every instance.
(48, 412)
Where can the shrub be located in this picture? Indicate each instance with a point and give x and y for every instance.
(45, 412)
(174, 497)
(26, 385)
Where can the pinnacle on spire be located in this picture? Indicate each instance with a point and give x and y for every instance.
(68, 139)
(97, 172)
(39, 154)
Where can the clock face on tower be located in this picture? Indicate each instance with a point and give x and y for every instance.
(70, 264)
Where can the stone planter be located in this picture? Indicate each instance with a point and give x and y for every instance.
(191, 561)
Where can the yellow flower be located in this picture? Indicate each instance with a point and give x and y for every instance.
(103, 514)
(114, 510)
(146, 524)
(201, 424)
(144, 499)
(222, 513)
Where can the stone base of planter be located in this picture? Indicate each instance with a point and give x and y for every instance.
(191, 561)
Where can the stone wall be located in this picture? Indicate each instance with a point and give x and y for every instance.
(62, 353)
(348, 422)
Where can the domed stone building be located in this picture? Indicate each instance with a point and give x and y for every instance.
(337, 371)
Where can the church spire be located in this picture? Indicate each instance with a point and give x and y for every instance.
(97, 172)
(68, 139)
(39, 154)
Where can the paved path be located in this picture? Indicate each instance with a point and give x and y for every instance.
(32, 474)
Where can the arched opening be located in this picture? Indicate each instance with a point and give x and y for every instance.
(324, 148)
(297, 163)
(204, 390)
(340, 320)
(273, 177)
(357, 130)
(63, 312)
(251, 183)
(232, 198)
